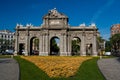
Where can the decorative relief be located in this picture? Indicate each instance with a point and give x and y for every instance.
(54, 22)
(83, 33)
(89, 36)
(22, 33)
(22, 38)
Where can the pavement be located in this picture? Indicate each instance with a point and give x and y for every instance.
(110, 68)
(9, 69)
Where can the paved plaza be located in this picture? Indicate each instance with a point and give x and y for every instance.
(9, 69)
(110, 68)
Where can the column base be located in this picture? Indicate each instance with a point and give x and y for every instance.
(15, 53)
(83, 54)
(25, 54)
(43, 54)
(95, 54)
(68, 53)
(63, 54)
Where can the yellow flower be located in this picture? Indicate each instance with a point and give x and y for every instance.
(57, 66)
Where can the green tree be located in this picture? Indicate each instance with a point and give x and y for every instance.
(108, 46)
(100, 42)
(115, 41)
(75, 46)
(100, 39)
(54, 47)
(36, 43)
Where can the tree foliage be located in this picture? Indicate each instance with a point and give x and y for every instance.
(108, 46)
(115, 41)
(54, 47)
(36, 43)
(75, 46)
(100, 42)
(100, 39)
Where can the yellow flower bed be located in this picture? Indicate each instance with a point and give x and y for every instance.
(57, 66)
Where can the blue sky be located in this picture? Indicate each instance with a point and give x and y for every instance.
(103, 13)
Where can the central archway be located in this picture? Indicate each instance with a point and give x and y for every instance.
(34, 46)
(54, 46)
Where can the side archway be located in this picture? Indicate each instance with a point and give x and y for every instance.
(89, 49)
(76, 44)
(21, 48)
(54, 46)
(34, 46)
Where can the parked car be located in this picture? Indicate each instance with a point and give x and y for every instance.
(107, 53)
(35, 52)
(8, 52)
(23, 52)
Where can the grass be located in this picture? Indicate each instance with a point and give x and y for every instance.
(88, 71)
(28, 71)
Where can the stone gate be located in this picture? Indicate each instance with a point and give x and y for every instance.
(55, 24)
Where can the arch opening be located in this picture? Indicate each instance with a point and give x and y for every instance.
(21, 48)
(54, 46)
(76, 43)
(89, 49)
(34, 46)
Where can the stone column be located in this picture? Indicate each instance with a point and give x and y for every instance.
(43, 45)
(27, 46)
(94, 45)
(46, 44)
(40, 45)
(63, 46)
(16, 43)
(69, 45)
(83, 46)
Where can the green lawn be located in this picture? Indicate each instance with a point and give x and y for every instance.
(88, 71)
(28, 71)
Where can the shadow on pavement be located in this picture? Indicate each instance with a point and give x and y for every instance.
(5, 61)
(118, 59)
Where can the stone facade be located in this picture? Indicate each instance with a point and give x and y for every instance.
(55, 24)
